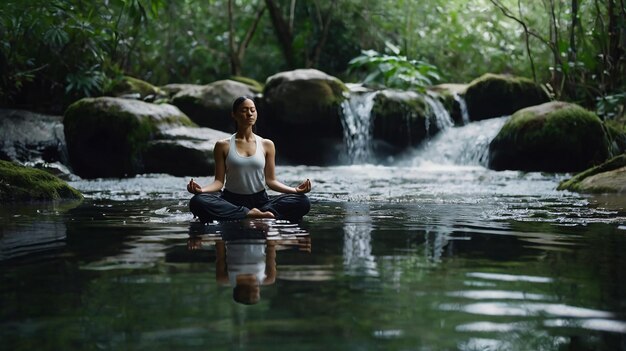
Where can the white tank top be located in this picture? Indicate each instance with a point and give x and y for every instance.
(245, 174)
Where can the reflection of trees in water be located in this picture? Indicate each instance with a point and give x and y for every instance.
(357, 241)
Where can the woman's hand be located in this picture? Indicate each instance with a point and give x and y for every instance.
(304, 187)
(194, 187)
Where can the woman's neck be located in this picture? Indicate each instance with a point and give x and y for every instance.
(245, 133)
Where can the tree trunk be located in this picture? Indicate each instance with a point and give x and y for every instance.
(283, 33)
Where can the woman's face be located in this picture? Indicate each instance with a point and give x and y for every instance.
(245, 115)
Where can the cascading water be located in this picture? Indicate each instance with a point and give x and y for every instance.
(466, 145)
(357, 127)
(463, 107)
(439, 112)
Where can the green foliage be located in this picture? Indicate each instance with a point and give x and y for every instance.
(53, 52)
(394, 71)
(611, 106)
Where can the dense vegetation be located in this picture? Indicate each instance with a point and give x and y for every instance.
(53, 52)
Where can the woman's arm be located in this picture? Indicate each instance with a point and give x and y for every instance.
(270, 173)
(219, 153)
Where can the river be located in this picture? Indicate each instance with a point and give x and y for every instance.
(431, 251)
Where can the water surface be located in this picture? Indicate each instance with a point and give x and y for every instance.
(418, 256)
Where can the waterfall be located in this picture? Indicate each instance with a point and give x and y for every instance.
(463, 107)
(439, 112)
(357, 126)
(465, 145)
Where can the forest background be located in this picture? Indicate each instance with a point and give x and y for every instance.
(54, 52)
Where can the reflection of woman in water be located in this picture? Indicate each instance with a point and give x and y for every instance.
(244, 164)
(245, 258)
(246, 266)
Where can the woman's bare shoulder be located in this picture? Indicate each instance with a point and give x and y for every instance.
(223, 144)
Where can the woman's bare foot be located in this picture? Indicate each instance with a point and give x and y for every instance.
(256, 213)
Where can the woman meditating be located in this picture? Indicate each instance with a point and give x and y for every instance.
(244, 164)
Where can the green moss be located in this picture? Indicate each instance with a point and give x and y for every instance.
(553, 137)
(574, 182)
(19, 183)
(494, 95)
(253, 84)
(130, 85)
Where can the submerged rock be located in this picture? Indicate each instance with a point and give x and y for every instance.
(28, 137)
(552, 137)
(494, 95)
(19, 183)
(302, 114)
(211, 105)
(106, 137)
(609, 177)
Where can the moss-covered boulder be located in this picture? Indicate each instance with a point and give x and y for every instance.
(183, 151)
(211, 105)
(19, 183)
(302, 114)
(256, 86)
(552, 137)
(129, 87)
(106, 136)
(402, 119)
(494, 95)
(609, 177)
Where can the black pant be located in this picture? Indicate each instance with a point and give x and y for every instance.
(225, 205)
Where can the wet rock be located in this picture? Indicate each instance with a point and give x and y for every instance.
(609, 177)
(301, 112)
(106, 137)
(211, 105)
(27, 136)
(498, 95)
(19, 183)
(552, 137)
(183, 151)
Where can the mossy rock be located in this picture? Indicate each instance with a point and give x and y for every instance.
(106, 136)
(609, 177)
(256, 86)
(172, 89)
(301, 112)
(552, 137)
(211, 105)
(19, 183)
(135, 88)
(494, 95)
(399, 119)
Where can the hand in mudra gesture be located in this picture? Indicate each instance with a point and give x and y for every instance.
(194, 187)
(304, 187)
